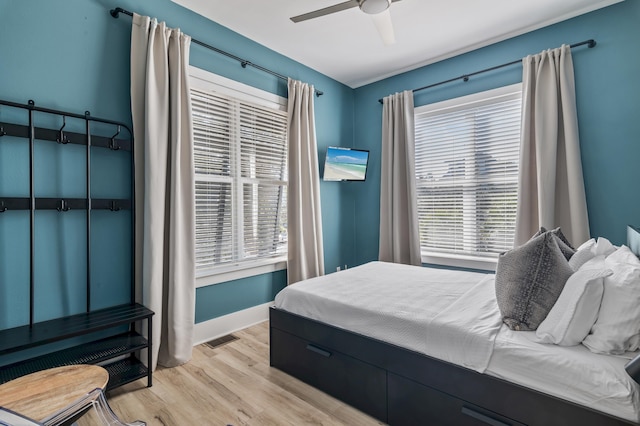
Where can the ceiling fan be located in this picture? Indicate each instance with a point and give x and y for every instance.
(378, 9)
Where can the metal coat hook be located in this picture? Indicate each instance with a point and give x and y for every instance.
(64, 206)
(114, 206)
(62, 138)
(3, 208)
(113, 145)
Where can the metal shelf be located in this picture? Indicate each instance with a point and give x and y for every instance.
(96, 352)
(125, 371)
(24, 337)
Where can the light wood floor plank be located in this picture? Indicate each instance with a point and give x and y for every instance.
(231, 384)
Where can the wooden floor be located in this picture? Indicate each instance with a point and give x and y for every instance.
(229, 385)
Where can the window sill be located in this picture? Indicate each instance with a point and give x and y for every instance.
(236, 272)
(460, 261)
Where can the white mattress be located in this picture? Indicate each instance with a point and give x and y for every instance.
(573, 373)
(397, 303)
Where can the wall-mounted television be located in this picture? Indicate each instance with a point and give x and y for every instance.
(345, 164)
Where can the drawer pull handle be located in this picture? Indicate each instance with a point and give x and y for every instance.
(483, 417)
(317, 350)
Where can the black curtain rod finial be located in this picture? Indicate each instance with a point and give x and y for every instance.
(592, 43)
(118, 10)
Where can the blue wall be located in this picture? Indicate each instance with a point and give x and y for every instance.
(72, 55)
(608, 92)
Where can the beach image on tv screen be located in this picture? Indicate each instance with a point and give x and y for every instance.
(345, 164)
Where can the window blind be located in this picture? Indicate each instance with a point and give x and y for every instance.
(240, 154)
(467, 155)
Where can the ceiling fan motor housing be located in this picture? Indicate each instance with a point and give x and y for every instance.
(373, 7)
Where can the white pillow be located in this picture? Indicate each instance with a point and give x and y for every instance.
(623, 254)
(617, 328)
(575, 311)
(583, 254)
(587, 244)
(603, 246)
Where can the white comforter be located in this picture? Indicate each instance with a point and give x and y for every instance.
(452, 316)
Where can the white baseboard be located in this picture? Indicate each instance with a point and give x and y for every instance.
(226, 324)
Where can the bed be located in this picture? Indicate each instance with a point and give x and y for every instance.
(416, 345)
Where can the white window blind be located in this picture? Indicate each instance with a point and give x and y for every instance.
(240, 156)
(467, 152)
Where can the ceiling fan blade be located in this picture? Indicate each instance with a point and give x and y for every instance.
(326, 11)
(384, 25)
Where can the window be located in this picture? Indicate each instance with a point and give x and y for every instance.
(240, 154)
(467, 152)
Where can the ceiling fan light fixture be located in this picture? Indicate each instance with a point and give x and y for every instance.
(373, 7)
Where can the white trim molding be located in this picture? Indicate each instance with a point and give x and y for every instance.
(227, 324)
(236, 272)
(460, 261)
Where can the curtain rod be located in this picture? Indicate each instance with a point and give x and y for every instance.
(243, 62)
(590, 43)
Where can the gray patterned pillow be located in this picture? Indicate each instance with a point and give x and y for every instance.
(529, 280)
(564, 244)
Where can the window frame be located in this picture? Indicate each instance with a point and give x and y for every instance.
(204, 80)
(485, 263)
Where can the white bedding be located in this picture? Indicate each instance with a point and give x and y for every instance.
(453, 316)
(569, 372)
(397, 304)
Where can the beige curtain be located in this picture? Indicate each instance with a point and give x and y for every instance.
(550, 185)
(164, 189)
(305, 248)
(399, 233)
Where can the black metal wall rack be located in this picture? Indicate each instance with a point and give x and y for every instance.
(119, 352)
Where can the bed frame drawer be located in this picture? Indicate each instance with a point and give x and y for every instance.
(421, 390)
(355, 382)
(411, 403)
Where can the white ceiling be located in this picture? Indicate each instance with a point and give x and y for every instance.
(347, 47)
